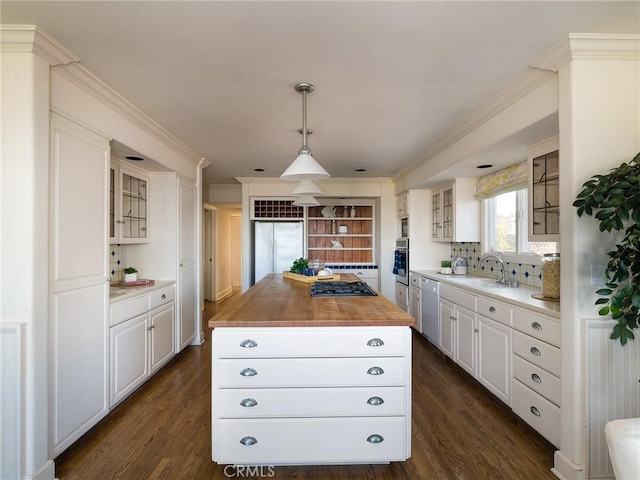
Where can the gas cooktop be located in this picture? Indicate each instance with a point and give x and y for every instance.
(341, 289)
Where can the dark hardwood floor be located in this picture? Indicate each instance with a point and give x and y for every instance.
(163, 431)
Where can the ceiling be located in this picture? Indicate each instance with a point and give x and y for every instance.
(390, 77)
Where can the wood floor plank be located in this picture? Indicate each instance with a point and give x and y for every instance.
(163, 431)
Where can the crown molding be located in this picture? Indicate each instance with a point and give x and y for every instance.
(31, 39)
(589, 46)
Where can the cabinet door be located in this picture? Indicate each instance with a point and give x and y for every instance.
(448, 213)
(436, 215)
(544, 192)
(447, 328)
(494, 355)
(78, 275)
(162, 322)
(129, 356)
(415, 307)
(187, 312)
(465, 339)
(133, 203)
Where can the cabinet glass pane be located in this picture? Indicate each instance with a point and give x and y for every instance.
(546, 194)
(134, 207)
(447, 213)
(112, 203)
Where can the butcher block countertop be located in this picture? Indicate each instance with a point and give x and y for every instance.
(282, 302)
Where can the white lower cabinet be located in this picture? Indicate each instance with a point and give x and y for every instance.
(141, 340)
(347, 400)
(494, 355)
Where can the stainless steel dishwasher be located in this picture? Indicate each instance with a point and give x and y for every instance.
(430, 293)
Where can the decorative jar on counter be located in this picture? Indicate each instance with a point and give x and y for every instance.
(551, 275)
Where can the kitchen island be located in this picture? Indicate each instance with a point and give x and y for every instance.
(298, 379)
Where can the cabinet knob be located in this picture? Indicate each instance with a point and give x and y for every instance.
(492, 309)
(375, 342)
(248, 402)
(375, 401)
(451, 317)
(163, 296)
(248, 372)
(535, 411)
(535, 351)
(375, 438)
(149, 327)
(536, 378)
(476, 330)
(375, 371)
(536, 326)
(248, 441)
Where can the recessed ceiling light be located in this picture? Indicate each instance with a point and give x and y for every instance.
(134, 158)
(258, 169)
(361, 169)
(486, 165)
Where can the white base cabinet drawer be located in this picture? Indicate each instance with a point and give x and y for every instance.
(310, 440)
(309, 342)
(536, 325)
(536, 351)
(311, 402)
(537, 379)
(310, 372)
(537, 411)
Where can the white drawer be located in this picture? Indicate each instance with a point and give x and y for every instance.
(310, 402)
(161, 296)
(536, 351)
(313, 440)
(540, 326)
(498, 311)
(414, 280)
(459, 297)
(402, 294)
(310, 342)
(309, 372)
(537, 411)
(131, 308)
(537, 379)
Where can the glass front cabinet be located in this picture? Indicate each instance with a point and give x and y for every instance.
(544, 191)
(128, 205)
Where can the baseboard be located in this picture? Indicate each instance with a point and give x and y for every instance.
(46, 472)
(565, 469)
(224, 293)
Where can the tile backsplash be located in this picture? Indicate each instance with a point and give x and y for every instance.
(116, 263)
(526, 274)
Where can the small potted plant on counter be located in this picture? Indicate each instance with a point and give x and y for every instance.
(130, 274)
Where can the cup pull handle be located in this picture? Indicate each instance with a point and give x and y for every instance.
(375, 342)
(535, 411)
(248, 343)
(248, 372)
(536, 326)
(375, 401)
(248, 441)
(492, 309)
(248, 402)
(163, 296)
(375, 438)
(536, 378)
(535, 351)
(375, 371)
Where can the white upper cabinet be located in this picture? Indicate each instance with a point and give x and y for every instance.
(402, 205)
(128, 205)
(455, 213)
(544, 191)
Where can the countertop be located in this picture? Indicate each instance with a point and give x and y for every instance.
(520, 296)
(117, 294)
(282, 302)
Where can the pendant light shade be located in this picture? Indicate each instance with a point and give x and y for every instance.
(306, 187)
(304, 167)
(306, 201)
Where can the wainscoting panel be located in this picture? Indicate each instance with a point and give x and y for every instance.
(10, 399)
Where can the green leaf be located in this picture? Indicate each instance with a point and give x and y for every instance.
(603, 311)
(604, 291)
(600, 301)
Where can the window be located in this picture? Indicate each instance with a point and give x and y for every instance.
(505, 227)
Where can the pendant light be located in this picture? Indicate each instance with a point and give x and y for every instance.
(304, 167)
(306, 187)
(306, 201)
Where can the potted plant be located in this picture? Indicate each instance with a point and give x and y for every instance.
(615, 199)
(130, 274)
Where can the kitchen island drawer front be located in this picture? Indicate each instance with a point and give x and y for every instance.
(310, 372)
(536, 351)
(131, 308)
(536, 325)
(311, 402)
(162, 296)
(498, 311)
(537, 379)
(310, 342)
(537, 411)
(313, 440)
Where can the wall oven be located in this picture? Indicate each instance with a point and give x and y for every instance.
(401, 261)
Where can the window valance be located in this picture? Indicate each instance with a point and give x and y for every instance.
(506, 180)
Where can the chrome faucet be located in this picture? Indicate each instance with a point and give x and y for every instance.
(502, 280)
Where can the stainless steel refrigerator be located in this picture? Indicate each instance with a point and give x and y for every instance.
(276, 245)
